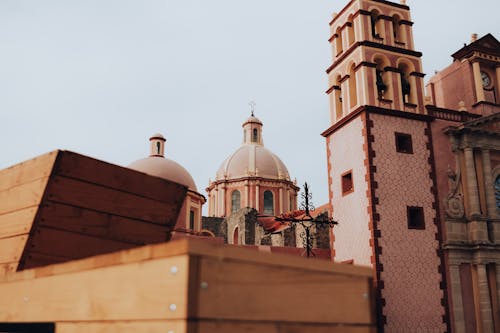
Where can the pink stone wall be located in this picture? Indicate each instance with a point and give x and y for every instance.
(453, 84)
(352, 234)
(411, 281)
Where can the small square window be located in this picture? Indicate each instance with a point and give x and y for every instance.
(347, 183)
(403, 143)
(415, 218)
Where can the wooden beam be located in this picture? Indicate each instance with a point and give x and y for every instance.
(66, 244)
(165, 326)
(27, 172)
(103, 225)
(84, 168)
(17, 222)
(12, 248)
(22, 196)
(238, 290)
(137, 291)
(91, 196)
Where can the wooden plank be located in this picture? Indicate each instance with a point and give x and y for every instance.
(205, 326)
(102, 225)
(95, 197)
(224, 326)
(66, 244)
(22, 196)
(138, 291)
(240, 290)
(230, 252)
(12, 248)
(28, 171)
(91, 170)
(165, 326)
(18, 222)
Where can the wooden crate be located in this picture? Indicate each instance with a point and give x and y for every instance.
(191, 286)
(63, 206)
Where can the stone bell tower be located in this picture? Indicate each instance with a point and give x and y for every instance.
(381, 170)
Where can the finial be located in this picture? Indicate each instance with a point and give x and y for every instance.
(473, 38)
(252, 107)
(461, 106)
(403, 2)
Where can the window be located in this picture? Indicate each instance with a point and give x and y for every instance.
(497, 191)
(255, 136)
(235, 236)
(191, 219)
(268, 203)
(235, 201)
(347, 183)
(338, 40)
(415, 218)
(404, 143)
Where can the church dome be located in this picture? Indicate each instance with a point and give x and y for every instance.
(157, 165)
(252, 158)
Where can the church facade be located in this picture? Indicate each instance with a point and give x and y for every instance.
(416, 196)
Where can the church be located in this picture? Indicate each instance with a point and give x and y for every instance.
(413, 180)
(418, 197)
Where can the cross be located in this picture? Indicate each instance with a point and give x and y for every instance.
(307, 221)
(252, 106)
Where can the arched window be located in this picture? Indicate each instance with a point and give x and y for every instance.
(338, 98)
(235, 201)
(268, 203)
(497, 191)
(235, 236)
(376, 24)
(353, 94)
(407, 86)
(338, 41)
(255, 136)
(382, 78)
(397, 30)
(350, 31)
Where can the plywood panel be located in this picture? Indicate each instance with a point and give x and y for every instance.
(138, 291)
(85, 168)
(240, 290)
(91, 196)
(62, 243)
(26, 172)
(22, 196)
(174, 326)
(103, 225)
(17, 223)
(219, 326)
(12, 248)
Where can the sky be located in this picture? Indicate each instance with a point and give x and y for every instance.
(99, 77)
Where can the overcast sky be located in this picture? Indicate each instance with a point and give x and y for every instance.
(99, 77)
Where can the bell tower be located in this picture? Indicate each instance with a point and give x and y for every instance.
(381, 171)
(374, 60)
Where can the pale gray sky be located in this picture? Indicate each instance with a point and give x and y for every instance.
(98, 77)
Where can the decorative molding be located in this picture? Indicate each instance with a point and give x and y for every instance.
(439, 234)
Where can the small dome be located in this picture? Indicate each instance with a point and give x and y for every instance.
(252, 119)
(253, 160)
(157, 165)
(165, 168)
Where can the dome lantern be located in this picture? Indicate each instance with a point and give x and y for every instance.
(157, 145)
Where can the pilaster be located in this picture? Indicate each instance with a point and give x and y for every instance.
(476, 69)
(484, 300)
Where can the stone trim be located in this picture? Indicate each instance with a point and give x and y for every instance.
(373, 201)
(365, 64)
(330, 192)
(439, 234)
(374, 45)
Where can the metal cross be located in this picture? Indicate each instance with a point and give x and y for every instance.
(307, 221)
(252, 106)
